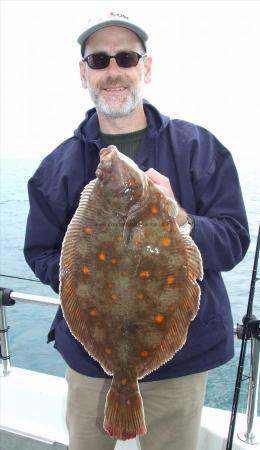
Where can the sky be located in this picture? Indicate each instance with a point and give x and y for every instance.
(206, 69)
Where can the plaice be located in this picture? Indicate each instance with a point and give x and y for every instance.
(128, 284)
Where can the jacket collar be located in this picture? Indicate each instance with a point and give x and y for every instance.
(88, 130)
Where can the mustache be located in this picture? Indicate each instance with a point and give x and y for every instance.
(111, 82)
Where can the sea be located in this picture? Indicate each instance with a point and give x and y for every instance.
(29, 323)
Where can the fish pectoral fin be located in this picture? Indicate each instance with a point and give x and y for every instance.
(135, 215)
(137, 212)
(133, 236)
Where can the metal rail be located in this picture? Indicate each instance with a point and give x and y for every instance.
(7, 298)
(19, 297)
(251, 435)
(4, 345)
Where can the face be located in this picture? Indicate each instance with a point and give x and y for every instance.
(115, 91)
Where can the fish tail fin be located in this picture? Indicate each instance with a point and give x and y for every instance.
(124, 413)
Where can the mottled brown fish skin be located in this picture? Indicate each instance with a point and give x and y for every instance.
(128, 283)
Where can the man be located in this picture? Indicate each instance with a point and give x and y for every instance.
(191, 165)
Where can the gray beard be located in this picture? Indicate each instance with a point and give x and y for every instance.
(110, 111)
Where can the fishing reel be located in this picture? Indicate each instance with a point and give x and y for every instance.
(249, 329)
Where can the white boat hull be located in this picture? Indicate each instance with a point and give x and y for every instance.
(33, 416)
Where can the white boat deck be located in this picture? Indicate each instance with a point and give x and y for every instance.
(32, 416)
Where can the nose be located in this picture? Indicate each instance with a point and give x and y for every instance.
(113, 66)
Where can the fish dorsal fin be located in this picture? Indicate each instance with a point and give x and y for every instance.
(69, 265)
(74, 228)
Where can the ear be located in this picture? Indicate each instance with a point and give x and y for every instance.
(82, 69)
(147, 69)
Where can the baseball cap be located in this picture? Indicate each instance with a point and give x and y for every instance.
(112, 19)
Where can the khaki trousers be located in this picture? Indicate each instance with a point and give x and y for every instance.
(172, 412)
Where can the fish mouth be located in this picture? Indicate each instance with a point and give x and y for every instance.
(107, 153)
(106, 161)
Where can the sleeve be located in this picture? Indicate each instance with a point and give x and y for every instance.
(220, 224)
(46, 225)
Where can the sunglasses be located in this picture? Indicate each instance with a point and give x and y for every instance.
(123, 59)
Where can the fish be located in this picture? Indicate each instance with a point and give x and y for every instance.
(128, 283)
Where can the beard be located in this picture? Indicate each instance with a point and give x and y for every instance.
(118, 105)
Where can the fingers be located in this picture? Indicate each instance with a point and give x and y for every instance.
(157, 177)
(160, 180)
(164, 183)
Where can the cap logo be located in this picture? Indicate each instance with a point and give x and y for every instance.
(122, 16)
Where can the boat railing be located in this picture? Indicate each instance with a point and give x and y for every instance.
(9, 297)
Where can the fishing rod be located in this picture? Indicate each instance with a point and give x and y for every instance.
(19, 278)
(248, 330)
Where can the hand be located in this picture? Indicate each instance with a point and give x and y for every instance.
(165, 185)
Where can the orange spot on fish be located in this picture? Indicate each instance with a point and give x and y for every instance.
(154, 210)
(86, 269)
(102, 257)
(108, 350)
(92, 312)
(114, 296)
(144, 274)
(124, 381)
(113, 261)
(166, 242)
(144, 354)
(110, 285)
(159, 318)
(140, 296)
(170, 279)
(171, 308)
(88, 230)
